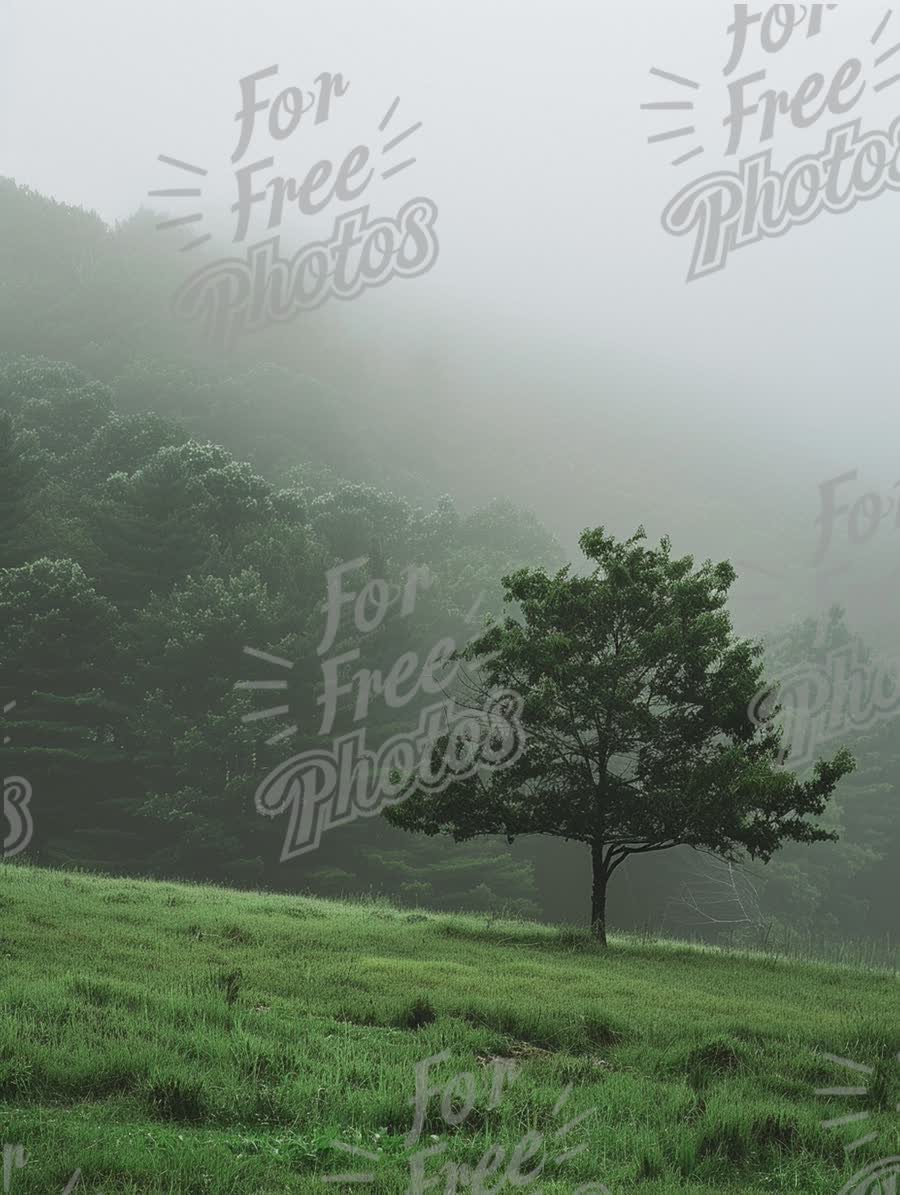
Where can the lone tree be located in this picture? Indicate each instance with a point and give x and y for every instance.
(637, 726)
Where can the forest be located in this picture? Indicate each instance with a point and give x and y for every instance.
(168, 520)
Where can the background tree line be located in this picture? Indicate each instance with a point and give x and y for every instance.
(161, 508)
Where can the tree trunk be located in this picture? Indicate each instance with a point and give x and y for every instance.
(598, 894)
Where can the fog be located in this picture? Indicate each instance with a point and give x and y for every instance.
(330, 333)
(556, 345)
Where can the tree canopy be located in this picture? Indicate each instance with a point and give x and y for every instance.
(637, 698)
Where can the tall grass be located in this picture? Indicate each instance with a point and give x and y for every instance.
(167, 1037)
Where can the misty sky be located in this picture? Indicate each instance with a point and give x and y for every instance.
(613, 391)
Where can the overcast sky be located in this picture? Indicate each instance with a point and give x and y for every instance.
(712, 409)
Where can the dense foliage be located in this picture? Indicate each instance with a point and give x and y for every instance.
(637, 736)
(161, 508)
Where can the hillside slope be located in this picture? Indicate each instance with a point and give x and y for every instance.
(175, 1038)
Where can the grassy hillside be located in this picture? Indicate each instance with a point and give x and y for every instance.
(173, 1038)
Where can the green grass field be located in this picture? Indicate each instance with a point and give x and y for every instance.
(162, 1037)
